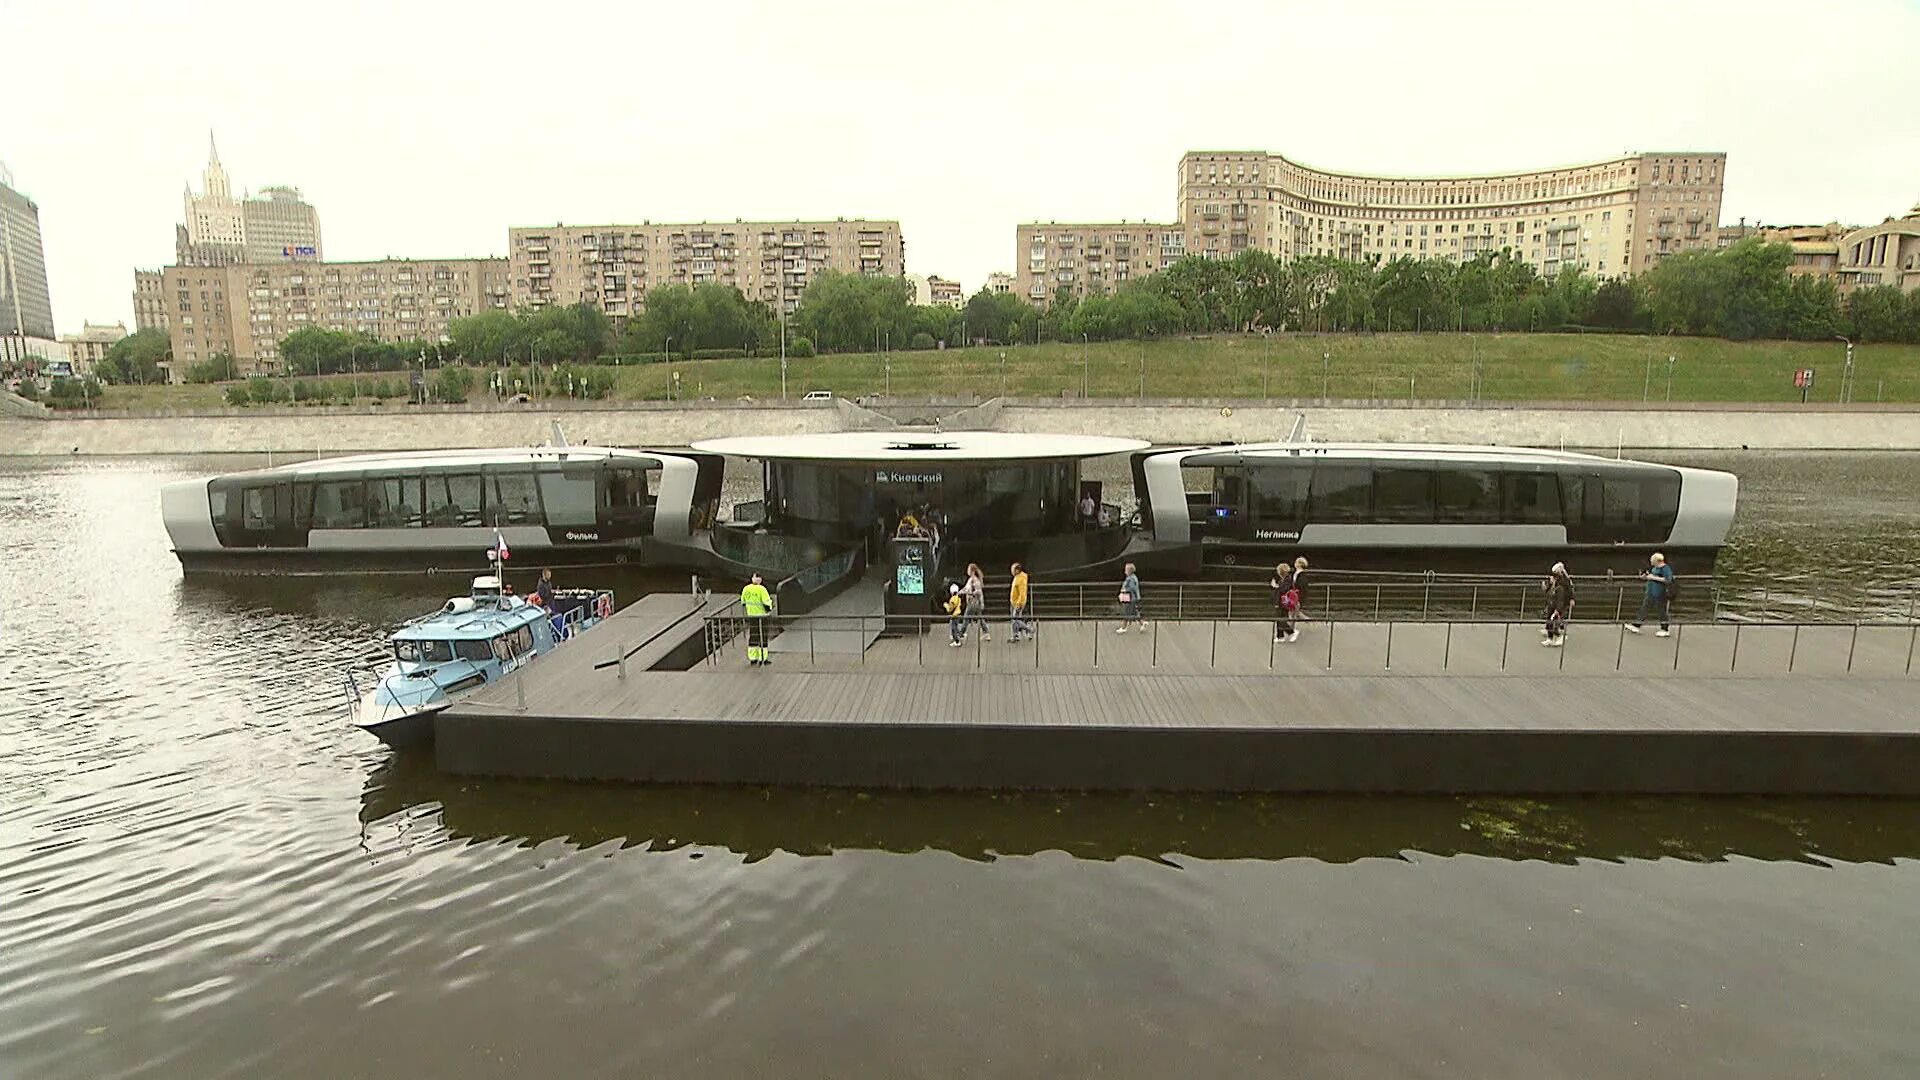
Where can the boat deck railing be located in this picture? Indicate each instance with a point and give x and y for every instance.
(1375, 596)
(1246, 644)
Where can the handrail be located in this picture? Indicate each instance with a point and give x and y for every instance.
(1374, 643)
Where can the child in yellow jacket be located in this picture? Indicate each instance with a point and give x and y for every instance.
(954, 606)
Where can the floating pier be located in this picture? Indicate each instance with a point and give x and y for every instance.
(662, 693)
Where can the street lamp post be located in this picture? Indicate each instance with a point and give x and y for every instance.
(1846, 372)
(1003, 373)
(1326, 361)
(1669, 378)
(783, 352)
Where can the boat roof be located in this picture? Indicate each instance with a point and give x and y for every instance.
(1411, 451)
(894, 447)
(477, 623)
(430, 459)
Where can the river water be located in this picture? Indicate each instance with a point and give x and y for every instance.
(204, 873)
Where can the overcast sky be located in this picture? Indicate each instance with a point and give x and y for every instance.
(426, 130)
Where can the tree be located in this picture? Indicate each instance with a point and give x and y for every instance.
(1878, 313)
(1616, 304)
(490, 337)
(137, 357)
(847, 312)
(220, 367)
(706, 316)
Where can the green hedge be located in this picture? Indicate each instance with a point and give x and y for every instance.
(719, 354)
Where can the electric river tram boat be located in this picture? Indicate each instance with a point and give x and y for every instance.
(557, 505)
(1409, 507)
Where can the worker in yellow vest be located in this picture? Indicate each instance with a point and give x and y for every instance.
(758, 604)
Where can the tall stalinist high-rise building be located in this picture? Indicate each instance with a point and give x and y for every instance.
(221, 230)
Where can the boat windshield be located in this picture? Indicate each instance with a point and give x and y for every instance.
(473, 650)
(431, 652)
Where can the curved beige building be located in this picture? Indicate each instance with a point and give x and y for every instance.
(1883, 254)
(1608, 218)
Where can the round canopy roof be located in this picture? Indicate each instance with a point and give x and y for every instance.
(899, 446)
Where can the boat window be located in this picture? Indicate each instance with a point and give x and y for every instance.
(217, 502)
(1467, 496)
(521, 641)
(1229, 488)
(339, 504)
(393, 501)
(1403, 496)
(256, 508)
(567, 491)
(406, 649)
(453, 499)
(436, 652)
(1279, 492)
(499, 646)
(1530, 499)
(1341, 493)
(303, 506)
(512, 499)
(472, 650)
(1620, 502)
(629, 490)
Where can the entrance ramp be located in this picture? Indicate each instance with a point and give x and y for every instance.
(845, 625)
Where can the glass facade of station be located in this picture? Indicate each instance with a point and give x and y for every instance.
(967, 500)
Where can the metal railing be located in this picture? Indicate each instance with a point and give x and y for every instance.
(1488, 645)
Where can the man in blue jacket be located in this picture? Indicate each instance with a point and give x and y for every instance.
(1659, 595)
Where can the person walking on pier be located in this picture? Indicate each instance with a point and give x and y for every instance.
(757, 602)
(1021, 625)
(1130, 602)
(974, 593)
(1659, 595)
(1286, 601)
(1559, 606)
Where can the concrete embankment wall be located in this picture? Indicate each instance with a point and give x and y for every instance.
(1855, 428)
(333, 431)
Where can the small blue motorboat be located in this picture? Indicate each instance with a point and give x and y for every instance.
(472, 641)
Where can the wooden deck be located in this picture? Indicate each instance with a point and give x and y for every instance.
(1221, 706)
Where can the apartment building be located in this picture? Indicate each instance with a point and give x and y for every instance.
(934, 289)
(88, 348)
(1816, 248)
(613, 266)
(999, 282)
(1086, 259)
(149, 300)
(247, 308)
(1607, 218)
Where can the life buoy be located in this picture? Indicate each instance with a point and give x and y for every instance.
(603, 605)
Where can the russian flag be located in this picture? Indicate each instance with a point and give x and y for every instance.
(500, 545)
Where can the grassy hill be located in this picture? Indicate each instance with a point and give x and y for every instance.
(1454, 367)
(1513, 367)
